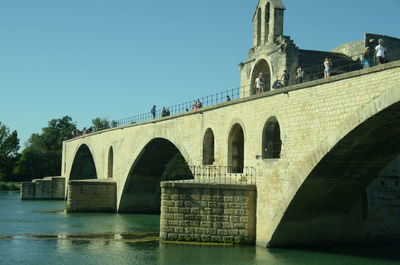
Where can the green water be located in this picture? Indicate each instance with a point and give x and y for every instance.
(39, 232)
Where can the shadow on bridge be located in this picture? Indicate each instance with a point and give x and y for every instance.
(141, 193)
(83, 166)
(331, 207)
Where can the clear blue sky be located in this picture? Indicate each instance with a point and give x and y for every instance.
(114, 59)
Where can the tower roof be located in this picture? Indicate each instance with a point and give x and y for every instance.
(274, 3)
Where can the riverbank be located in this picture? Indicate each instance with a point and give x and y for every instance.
(10, 185)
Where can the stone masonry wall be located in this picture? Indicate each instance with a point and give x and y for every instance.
(207, 212)
(91, 196)
(383, 196)
(49, 188)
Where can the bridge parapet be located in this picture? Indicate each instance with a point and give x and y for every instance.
(212, 174)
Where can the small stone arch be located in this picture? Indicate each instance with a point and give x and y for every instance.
(267, 19)
(259, 27)
(110, 165)
(208, 147)
(236, 149)
(83, 166)
(261, 66)
(271, 139)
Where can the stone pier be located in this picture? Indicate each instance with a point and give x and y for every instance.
(49, 188)
(208, 212)
(95, 195)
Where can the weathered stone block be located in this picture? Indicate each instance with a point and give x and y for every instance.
(184, 223)
(206, 224)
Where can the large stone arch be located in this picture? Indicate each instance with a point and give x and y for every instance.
(141, 191)
(83, 166)
(315, 211)
(262, 66)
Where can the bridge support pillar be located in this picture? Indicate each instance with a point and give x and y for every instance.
(49, 188)
(208, 212)
(93, 195)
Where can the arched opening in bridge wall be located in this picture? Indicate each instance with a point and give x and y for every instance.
(332, 207)
(159, 160)
(261, 67)
(83, 166)
(236, 149)
(110, 166)
(208, 147)
(271, 139)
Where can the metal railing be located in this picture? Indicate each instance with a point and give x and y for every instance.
(207, 101)
(212, 175)
(315, 72)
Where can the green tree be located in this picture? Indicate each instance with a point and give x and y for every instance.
(9, 146)
(114, 124)
(43, 152)
(101, 124)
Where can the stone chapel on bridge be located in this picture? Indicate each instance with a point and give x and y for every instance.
(272, 52)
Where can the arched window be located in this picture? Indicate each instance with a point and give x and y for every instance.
(236, 149)
(267, 18)
(110, 163)
(271, 139)
(208, 147)
(259, 27)
(261, 67)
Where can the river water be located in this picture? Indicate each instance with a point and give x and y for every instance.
(40, 232)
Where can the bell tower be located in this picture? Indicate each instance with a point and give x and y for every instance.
(267, 21)
(272, 52)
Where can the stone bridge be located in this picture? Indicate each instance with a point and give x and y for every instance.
(315, 146)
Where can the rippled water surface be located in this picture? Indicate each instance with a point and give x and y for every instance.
(40, 232)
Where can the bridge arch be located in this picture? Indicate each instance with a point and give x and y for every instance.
(83, 166)
(236, 149)
(141, 190)
(271, 139)
(262, 66)
(341, 170)
(208, 147)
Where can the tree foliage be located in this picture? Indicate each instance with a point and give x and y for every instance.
(43, 152)
(9, 146)
(101, 124)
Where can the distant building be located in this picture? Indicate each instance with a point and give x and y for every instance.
(272, 52)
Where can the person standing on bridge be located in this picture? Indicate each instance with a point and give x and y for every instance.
(327, 65)
(285, 78)
(153, 111)
(365, 58)
(380, 52)
(259, 84)
(300, 75)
